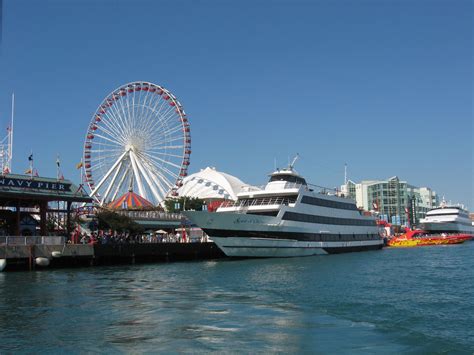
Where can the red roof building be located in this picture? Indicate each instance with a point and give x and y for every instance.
(130, 201)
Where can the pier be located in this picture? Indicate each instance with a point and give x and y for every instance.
(32, 253)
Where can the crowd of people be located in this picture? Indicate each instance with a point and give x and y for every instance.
(113, 237)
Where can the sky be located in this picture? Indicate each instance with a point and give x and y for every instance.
(385, 86)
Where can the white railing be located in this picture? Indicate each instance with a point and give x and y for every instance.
(151, 215)
(263, 201)
(37, 240)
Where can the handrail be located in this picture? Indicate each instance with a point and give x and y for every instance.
(32, 240)
(151, 215)
(263, 201)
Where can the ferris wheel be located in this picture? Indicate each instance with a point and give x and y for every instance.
(138, 140)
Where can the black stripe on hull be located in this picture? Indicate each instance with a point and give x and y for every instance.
(302, 237)
(340, 250)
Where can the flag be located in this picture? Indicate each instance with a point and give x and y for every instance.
(79, 165)
(28, 171)
(6, 170)
(61, 177)
(36, 172)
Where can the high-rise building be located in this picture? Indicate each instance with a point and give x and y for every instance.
(394, 200)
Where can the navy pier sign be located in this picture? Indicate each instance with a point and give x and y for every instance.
(34, 184)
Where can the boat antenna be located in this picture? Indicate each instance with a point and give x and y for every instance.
(294, 161)
(345, 173)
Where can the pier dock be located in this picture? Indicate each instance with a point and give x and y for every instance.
(31, 253)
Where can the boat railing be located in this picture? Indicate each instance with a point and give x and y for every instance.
(263, 201)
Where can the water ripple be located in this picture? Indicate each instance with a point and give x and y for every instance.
(392, 301)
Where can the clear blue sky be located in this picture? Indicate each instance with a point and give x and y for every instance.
(386, 86)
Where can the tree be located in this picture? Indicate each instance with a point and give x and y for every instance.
(117, 222)
(174, 205)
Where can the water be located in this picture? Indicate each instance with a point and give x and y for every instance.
(390, 301)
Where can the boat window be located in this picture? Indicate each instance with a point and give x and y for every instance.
(288, 178)
(328, 203)
(302, 217)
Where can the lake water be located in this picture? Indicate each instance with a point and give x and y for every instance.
(389, 301)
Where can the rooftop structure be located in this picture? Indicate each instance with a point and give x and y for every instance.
(210, 184)
(130, 200)
(32, 194)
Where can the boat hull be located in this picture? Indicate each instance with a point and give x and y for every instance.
(239, 235)
(281, 248)
(402, 242)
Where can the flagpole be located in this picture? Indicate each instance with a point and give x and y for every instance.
(57, 167)
(81, 176)
(31, 164)
(10, 150)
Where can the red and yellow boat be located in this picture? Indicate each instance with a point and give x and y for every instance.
(418, 237)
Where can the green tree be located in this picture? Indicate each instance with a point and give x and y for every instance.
(178, 204)
(117, 222)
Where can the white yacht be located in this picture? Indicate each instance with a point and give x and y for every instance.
(287, 218)
(447, 219)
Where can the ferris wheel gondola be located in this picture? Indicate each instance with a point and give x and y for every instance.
(139, 139)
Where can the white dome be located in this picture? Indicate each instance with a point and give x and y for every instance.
(212, 184)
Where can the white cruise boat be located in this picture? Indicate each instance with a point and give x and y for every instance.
(287, 219)
(447, 219)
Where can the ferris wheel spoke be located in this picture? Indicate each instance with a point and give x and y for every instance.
(169, 113)
(121, 113)
(114, 116)
(121, 182)
(106, 176)
(164, 141)
(103, 130)
(104, 160)
(152, 112)
(163, 126)
(144, 113)
(149, 181)
(112, 182)
(163, 117)
(110, 120)
(157, 110)
(110, 140)
(116, 120)
(126, 113)
(167, 154)
(161, 171)
(118, 150)
(172, 130)
(162, 160)
(168, 147)
(114, 145)
(137, 176)
(161, 179)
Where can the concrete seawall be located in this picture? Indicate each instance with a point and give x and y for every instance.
(23, 257)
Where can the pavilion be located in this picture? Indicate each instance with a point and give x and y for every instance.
(31, 194)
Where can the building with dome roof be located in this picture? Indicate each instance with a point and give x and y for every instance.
(210, 184)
